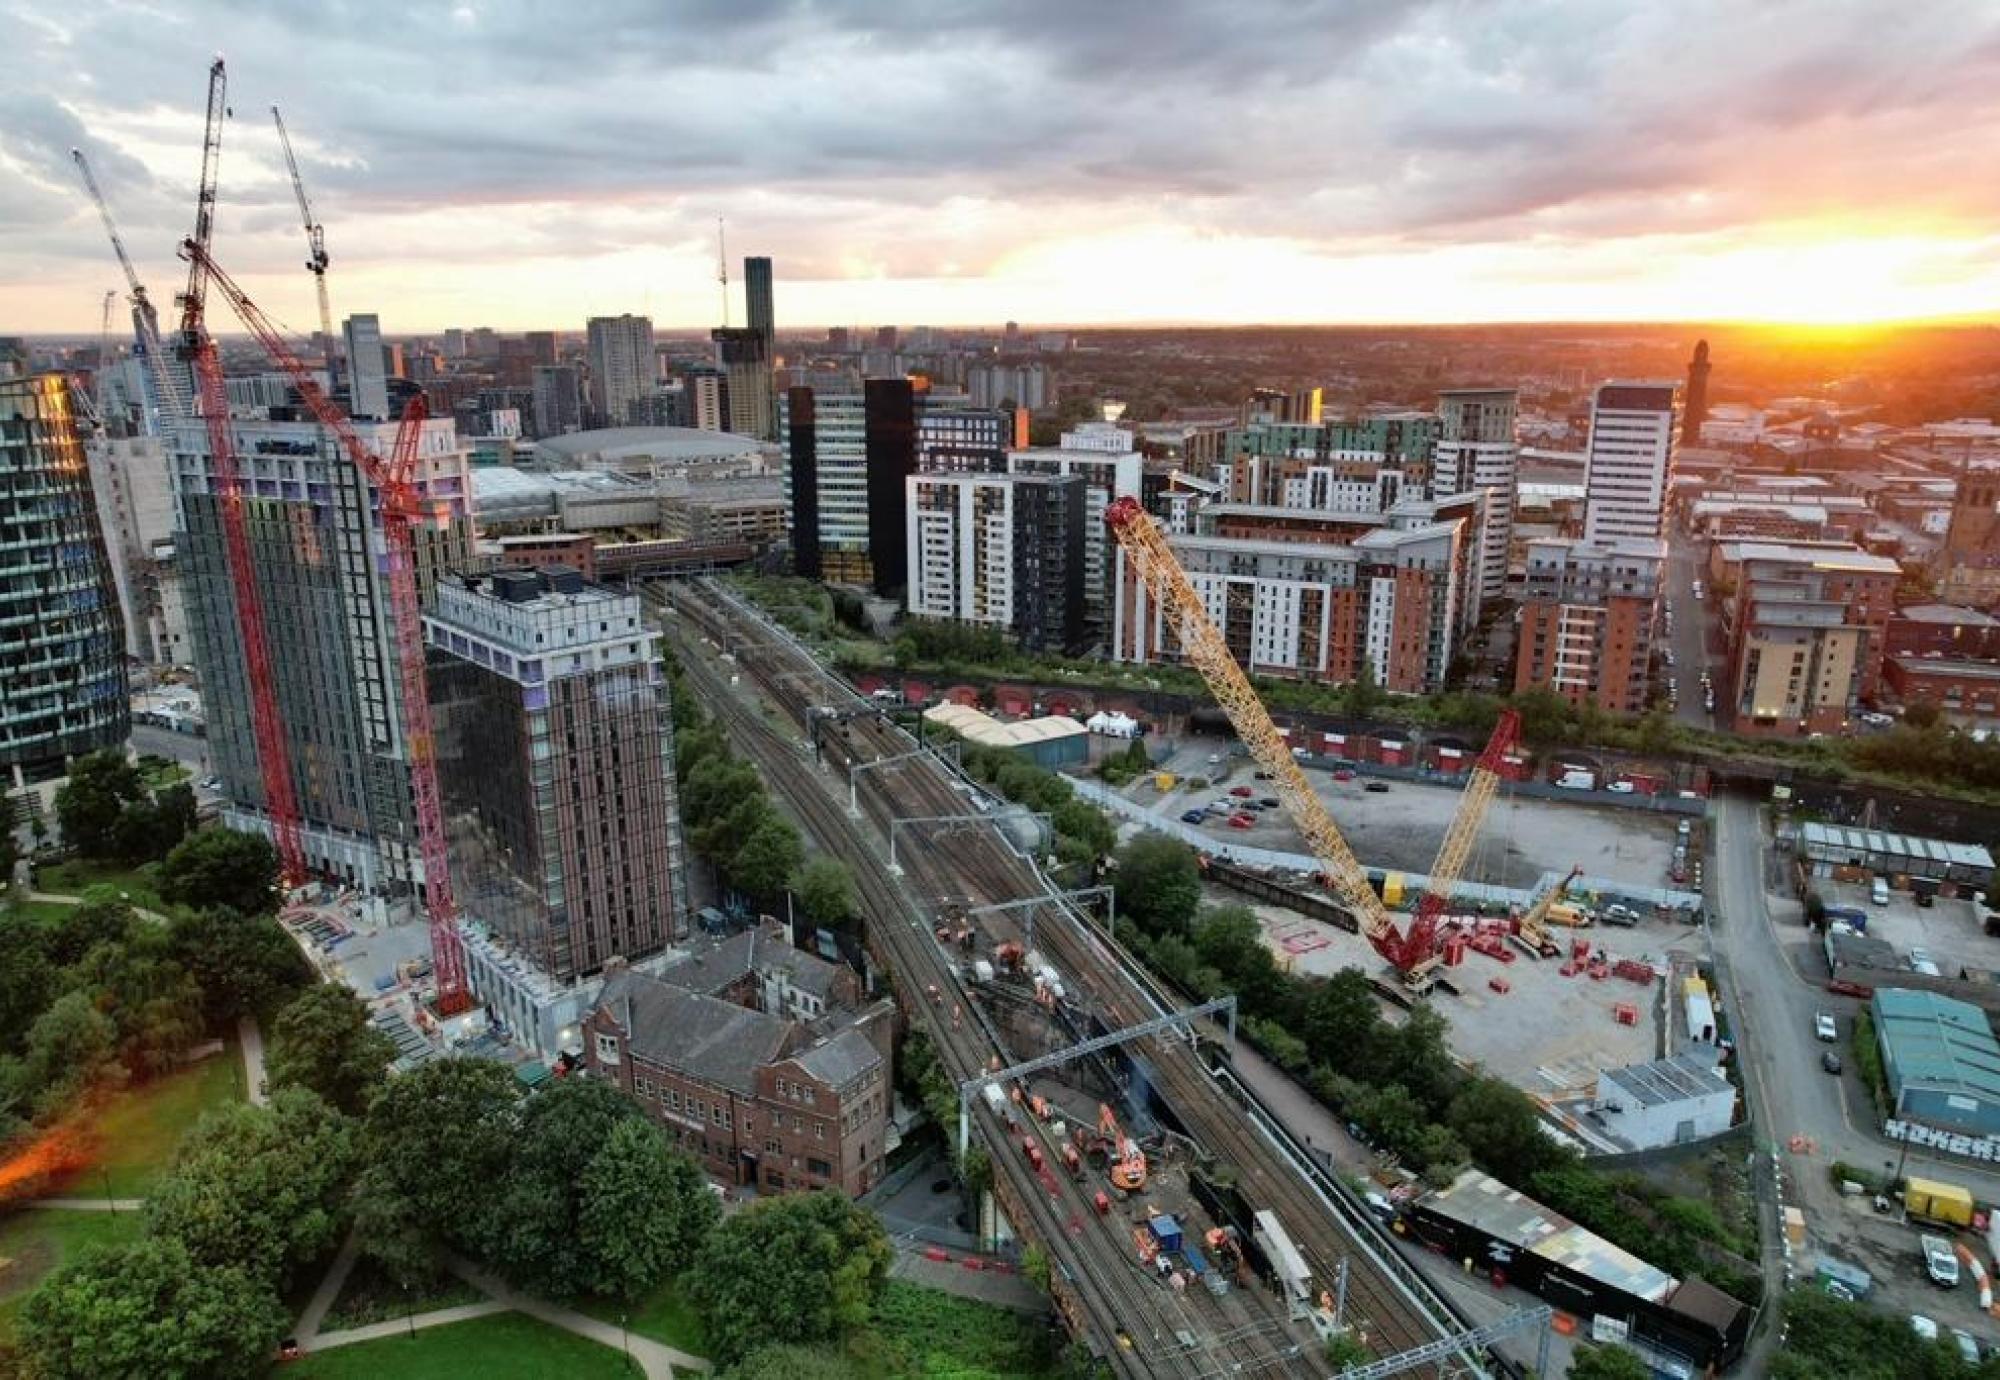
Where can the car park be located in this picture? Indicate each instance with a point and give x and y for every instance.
(1824, 1027)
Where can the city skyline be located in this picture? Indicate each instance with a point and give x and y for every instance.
(1351, 163)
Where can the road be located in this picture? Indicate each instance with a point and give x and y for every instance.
(1696, 640)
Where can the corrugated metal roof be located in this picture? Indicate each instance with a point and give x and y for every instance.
(1938, 1041)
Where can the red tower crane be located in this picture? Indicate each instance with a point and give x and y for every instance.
(273, 756)
(403, 509)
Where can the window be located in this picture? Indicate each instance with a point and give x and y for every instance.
(607, 1049)
(820, 1168)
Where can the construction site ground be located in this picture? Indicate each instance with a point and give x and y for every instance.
(1401, 828)
(1549, 1034)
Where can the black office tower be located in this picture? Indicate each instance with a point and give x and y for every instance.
(802, 439)
(890, 409)
(757, 294)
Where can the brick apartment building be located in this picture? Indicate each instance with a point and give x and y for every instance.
(758, 1058)
(1967, 692)
(1585, 626)
(1806, 628)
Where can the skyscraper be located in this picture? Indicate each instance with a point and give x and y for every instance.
(62, 645)
(742, 353)
(1696, 411)
(542, 347)
(620, 350)
(757, 296)
(367, 368)
(1630, 459)
(1476, 450)
(319, 558)
(555, 760)
(890, 409)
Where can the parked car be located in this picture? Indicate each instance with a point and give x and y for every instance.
(1376, 787)
(1263, 776)
(1824, 1027)
(1830, 1061)
(1300, 753)
(1923, 1327)
(1193, 816)
(1878, 891)
(1215, 759)
(1940, 1262)
(1241, 821)
(1270, 802)
(1968, 1349)
(1621, 788)
(1343, 774)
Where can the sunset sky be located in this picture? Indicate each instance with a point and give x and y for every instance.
(971, 161)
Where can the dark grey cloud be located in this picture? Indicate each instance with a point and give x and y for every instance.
(846, 127)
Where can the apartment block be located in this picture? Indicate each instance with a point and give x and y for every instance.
(1360, 465)
(1586, 619)
(1001, 550)
(620, 352)
(555, 761)
(1476, 451)
(319, 558)
(135, 510)
(758, 1059)
(1630, 459)
(743, 352)
(1103, 456)
(1807, 630)
(1386, 602)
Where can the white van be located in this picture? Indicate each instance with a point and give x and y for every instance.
(1878, 891)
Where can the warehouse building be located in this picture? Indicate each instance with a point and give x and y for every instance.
(1830, 846)
(1941, 1060)
(1670, 1101)
(1681, 1326)
(1055, 742)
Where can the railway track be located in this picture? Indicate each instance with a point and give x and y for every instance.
(1129, 1318)
(1396, 1313)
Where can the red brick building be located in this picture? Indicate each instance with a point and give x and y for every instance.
(753, 1058)
(1585, 626)
(1968, 692)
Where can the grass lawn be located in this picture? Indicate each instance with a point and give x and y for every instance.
(32, 1243)
(664, 1315)
(138, 1130)
(369, 1296)
(500, 1347)
(74, 876)
(940, 1334)
(42, 912)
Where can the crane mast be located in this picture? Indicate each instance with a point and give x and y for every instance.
(145, 320)
(316, 259)
(1145, 546)
(403, 510)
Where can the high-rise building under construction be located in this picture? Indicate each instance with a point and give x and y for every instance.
(319, 561)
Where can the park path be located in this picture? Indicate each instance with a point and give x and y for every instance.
(56, 898)
(307, 1327)
(398, 1327)
(658, 1360)
(89, 1204)
(250, 1036)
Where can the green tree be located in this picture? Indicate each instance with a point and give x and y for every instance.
(825, 892)
(767, 858)
(1230, 940)
(10, 852)
(148, 1309)
(1341, 1022)
(643, 1210)
(149, 829)
(70, 1047)
(1499, 1126)
(221, 867)
(27, 979)
(245, 965)
(438, 1141)
(1158, 884)
(259, 1188)
(1922, 714)
(1417, 1059)
(1362, 696)
(151, 999)
(1547, 719)
(88, 805)
(322, 1041)
(805, 1269)
(533, 1228)
(101, 919)
(1607, 1363)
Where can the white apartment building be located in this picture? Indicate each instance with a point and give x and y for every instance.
(961, 547)
(135, 507)
(620, 350)
(1630, 459)
(1477, 450)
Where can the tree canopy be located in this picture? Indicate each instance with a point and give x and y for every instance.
(1159, 884)
(222, 867)
(805, 1269)
(322, 1041)
(244, 964)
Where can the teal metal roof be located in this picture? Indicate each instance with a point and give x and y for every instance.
(1936, 1041)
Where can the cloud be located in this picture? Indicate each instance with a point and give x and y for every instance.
(918, 139)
